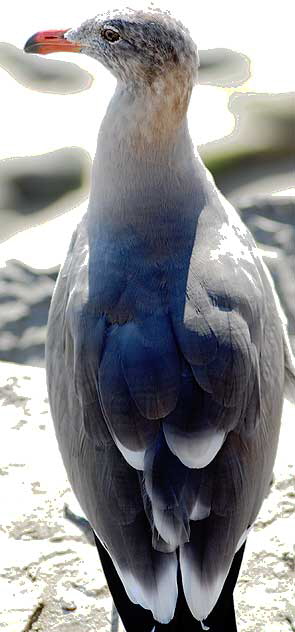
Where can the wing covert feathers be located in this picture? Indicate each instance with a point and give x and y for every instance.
(168, 420)
(173, 411)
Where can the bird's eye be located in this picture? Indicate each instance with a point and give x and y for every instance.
(110, 35)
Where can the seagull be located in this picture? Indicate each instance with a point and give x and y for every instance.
(167, 353)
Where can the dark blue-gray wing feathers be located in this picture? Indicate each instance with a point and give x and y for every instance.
(174, 429)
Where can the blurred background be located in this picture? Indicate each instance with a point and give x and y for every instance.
(242, 119)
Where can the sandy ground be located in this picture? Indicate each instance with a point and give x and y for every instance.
(50, 578)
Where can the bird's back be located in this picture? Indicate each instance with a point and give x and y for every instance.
(166, 380)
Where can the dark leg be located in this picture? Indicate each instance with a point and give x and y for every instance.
(137, 619)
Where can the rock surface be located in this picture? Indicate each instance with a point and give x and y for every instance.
(50, 577)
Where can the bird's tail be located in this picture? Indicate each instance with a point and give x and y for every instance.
(165, 484)
(175, 495)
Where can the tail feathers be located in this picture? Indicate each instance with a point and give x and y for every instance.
(165, 482)
(176, 494)
(153, 594)
(205, 563)
(201, 590)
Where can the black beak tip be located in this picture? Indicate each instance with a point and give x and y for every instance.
(30, 45)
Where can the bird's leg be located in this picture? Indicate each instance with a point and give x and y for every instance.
(114, 619)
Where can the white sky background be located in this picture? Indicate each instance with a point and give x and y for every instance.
(33, 122)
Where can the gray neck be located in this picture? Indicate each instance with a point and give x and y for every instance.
(145, 168)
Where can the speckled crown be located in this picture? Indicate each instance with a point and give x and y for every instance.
(150, 43)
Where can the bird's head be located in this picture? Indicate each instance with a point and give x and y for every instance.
(137, 47)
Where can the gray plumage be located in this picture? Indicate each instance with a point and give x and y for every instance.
(167, 352)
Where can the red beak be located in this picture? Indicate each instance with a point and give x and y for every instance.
(45, 42)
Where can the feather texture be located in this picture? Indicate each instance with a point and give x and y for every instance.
(167, 355)
(172, 419)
